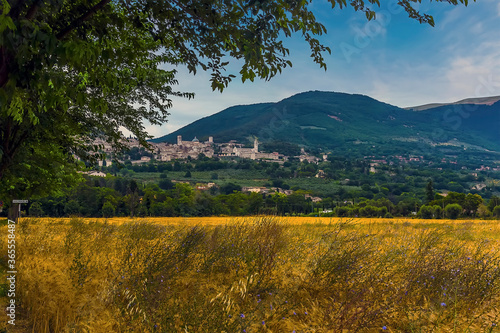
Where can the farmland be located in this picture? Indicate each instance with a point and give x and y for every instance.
(256, 274)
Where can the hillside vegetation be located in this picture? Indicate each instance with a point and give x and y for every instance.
(356, 125)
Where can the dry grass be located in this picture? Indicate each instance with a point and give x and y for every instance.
(260, 274)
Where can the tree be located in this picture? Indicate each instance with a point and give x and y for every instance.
(437, 212)
(108, 209)
(471, 203)
(496, 211)
(425, 212)
(429, 191)
(36, 210)
(74, 71)
(452, 211)
(72, 208)
(494, 201)
(166, 184)
(230, 188)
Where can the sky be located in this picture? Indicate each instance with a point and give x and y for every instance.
(393, 59)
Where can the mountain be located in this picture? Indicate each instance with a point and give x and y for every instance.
(475, 100)
(356, 125)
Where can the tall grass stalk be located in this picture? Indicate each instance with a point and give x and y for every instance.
(260, 274)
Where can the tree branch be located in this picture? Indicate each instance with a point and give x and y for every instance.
(76, 23)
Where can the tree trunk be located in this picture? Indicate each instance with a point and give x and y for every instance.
(13, 212)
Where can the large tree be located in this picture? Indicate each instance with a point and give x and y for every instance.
(75, 70)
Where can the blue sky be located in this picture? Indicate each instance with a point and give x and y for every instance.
(393, 59)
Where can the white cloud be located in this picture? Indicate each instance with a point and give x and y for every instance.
(478, 74)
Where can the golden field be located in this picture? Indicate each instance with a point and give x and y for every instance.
(255, 274)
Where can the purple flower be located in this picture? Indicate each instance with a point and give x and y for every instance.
(443, 304)
(242, 315)
(384, 327)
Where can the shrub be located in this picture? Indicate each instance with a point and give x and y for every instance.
(496, 211)
(72, 208)
(437, 212)
(108, 209)
(425, 212)
(452, 211)
(166, 184)
(36, 210)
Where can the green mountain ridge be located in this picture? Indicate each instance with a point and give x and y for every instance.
(355, 125)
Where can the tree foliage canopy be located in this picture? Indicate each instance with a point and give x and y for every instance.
(72, 71)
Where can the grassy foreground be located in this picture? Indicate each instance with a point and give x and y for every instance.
(261, 274)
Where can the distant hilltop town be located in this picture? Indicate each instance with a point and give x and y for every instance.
(192, 149)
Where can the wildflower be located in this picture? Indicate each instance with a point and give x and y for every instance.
(305, 312)
(242, 315)
(263, 322)
(294, 313)
(443, 304)
(384, 328)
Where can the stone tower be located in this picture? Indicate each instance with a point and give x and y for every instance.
(255, 145)
(179, 140)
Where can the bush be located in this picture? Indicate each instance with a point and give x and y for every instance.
(72, 208)
(425, 212)
(437, 211)
(166, 184)
(496, 211)
(452, 211)
(108, 209)
(36, 210)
